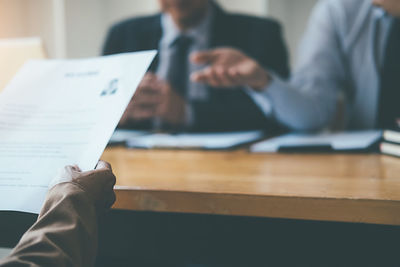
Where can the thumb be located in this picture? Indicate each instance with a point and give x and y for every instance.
(103, 165)
(203, 57)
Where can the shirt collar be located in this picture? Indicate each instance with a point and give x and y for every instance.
(199, 33)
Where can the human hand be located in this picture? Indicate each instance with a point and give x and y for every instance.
(97, 184)
(390, 6)
(173, 109)
(145, 102)
(155, 98)
(229, 67)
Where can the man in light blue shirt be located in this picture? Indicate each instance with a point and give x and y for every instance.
(350, 47)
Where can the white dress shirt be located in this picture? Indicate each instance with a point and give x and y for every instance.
(200, 37)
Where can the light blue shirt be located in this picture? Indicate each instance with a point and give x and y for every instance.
(200, 37)
(341, 54)
(201, 41)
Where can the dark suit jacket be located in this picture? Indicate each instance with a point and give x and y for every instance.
(225, 110)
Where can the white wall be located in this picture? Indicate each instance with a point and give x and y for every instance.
(251, 7)
(42, 22)
(77, 28)
(28, 18)
(294, 16)
(84, 27)
(92, 18)
(12, 19)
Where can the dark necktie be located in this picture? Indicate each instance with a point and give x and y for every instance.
(389, 103)
(178, 72)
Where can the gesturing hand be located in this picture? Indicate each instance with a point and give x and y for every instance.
(228, 67)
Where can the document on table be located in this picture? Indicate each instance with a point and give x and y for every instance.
(350, 141)
(60, 112)
(209, 141)
(121, 136)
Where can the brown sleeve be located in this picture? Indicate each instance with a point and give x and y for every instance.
(65, 233)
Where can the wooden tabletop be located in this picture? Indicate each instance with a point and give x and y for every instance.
(328, 187)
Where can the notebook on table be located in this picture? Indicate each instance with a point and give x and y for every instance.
(326, 142)
(391, 141)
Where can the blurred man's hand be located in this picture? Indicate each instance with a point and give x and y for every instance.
(146, 101)
(155, 98)
(228, 67)
(390, 6)
(173, 107)
(98, 184)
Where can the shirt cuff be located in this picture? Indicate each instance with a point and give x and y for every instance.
(261, 100)
(264, 97)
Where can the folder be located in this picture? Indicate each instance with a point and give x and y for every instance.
(325, 142)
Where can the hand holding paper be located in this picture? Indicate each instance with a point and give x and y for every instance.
(57, 113)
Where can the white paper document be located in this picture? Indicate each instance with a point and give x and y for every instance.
(212, 141)
(337, 141)
(60, 112)
(121, 136)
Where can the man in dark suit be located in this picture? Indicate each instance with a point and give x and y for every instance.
(167, 98)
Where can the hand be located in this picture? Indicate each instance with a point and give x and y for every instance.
(229, 67)
(173, 109)
(390, 6)
(98, 184)
(155, 98)
(145, 102)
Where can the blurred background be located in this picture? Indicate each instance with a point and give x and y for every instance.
(77, 28)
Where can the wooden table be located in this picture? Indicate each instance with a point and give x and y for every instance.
(326, 187)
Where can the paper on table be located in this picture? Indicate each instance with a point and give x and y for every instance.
(338, 141)
(57, 113)
(200, 140)
(123, 135)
